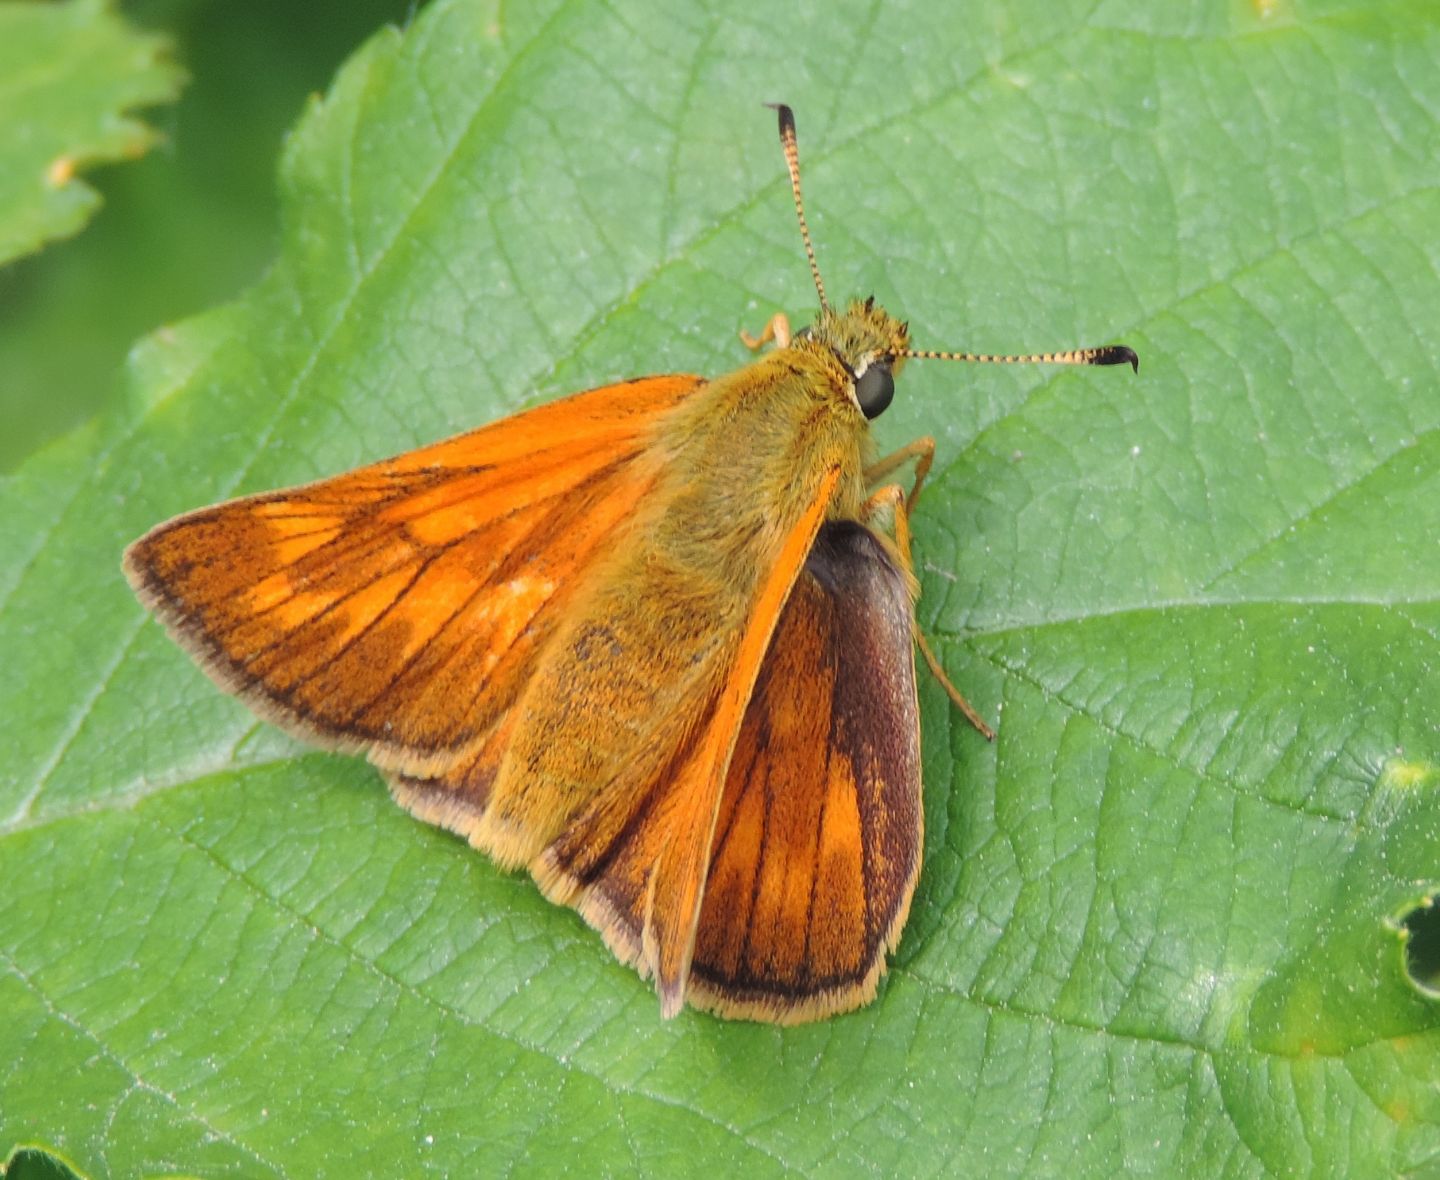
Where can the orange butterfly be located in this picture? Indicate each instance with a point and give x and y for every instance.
(653, 643)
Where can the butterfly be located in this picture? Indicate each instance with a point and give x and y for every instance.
(653, 643)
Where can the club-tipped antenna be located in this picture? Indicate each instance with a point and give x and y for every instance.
(792, 162)
(1111, 354)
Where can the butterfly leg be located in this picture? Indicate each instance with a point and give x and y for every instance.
(778, 330)
(892, 497)
(922, 450)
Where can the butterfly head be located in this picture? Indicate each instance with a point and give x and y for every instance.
(870, 343)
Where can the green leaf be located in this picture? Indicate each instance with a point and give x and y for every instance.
(69, 73)
(1163, 923)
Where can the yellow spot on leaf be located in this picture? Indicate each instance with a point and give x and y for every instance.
(1402, 774)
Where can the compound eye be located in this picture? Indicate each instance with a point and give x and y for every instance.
(875, 389)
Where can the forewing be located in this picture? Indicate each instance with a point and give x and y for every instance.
(398, 608)
(818, 842)
(627, 846)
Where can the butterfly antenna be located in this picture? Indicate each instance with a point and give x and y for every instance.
(792, 162)
(1111, 354)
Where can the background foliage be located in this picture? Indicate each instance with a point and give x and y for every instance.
(68, 74)
(1159, 930)
(183, 227)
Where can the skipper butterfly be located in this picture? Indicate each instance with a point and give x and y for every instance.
(653, 643)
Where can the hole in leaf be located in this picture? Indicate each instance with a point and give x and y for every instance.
(36, 1163)
(1422, 945)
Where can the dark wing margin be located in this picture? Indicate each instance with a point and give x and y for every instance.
(818, 842)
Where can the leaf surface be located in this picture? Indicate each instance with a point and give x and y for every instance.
(1158, 930)
(70, 75)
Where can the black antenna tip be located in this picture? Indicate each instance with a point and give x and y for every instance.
(1117, 354)
(787, 116)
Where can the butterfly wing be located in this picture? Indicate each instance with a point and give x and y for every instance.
(619, 825)
(817, 846)
(398, 608)
(528, 665)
